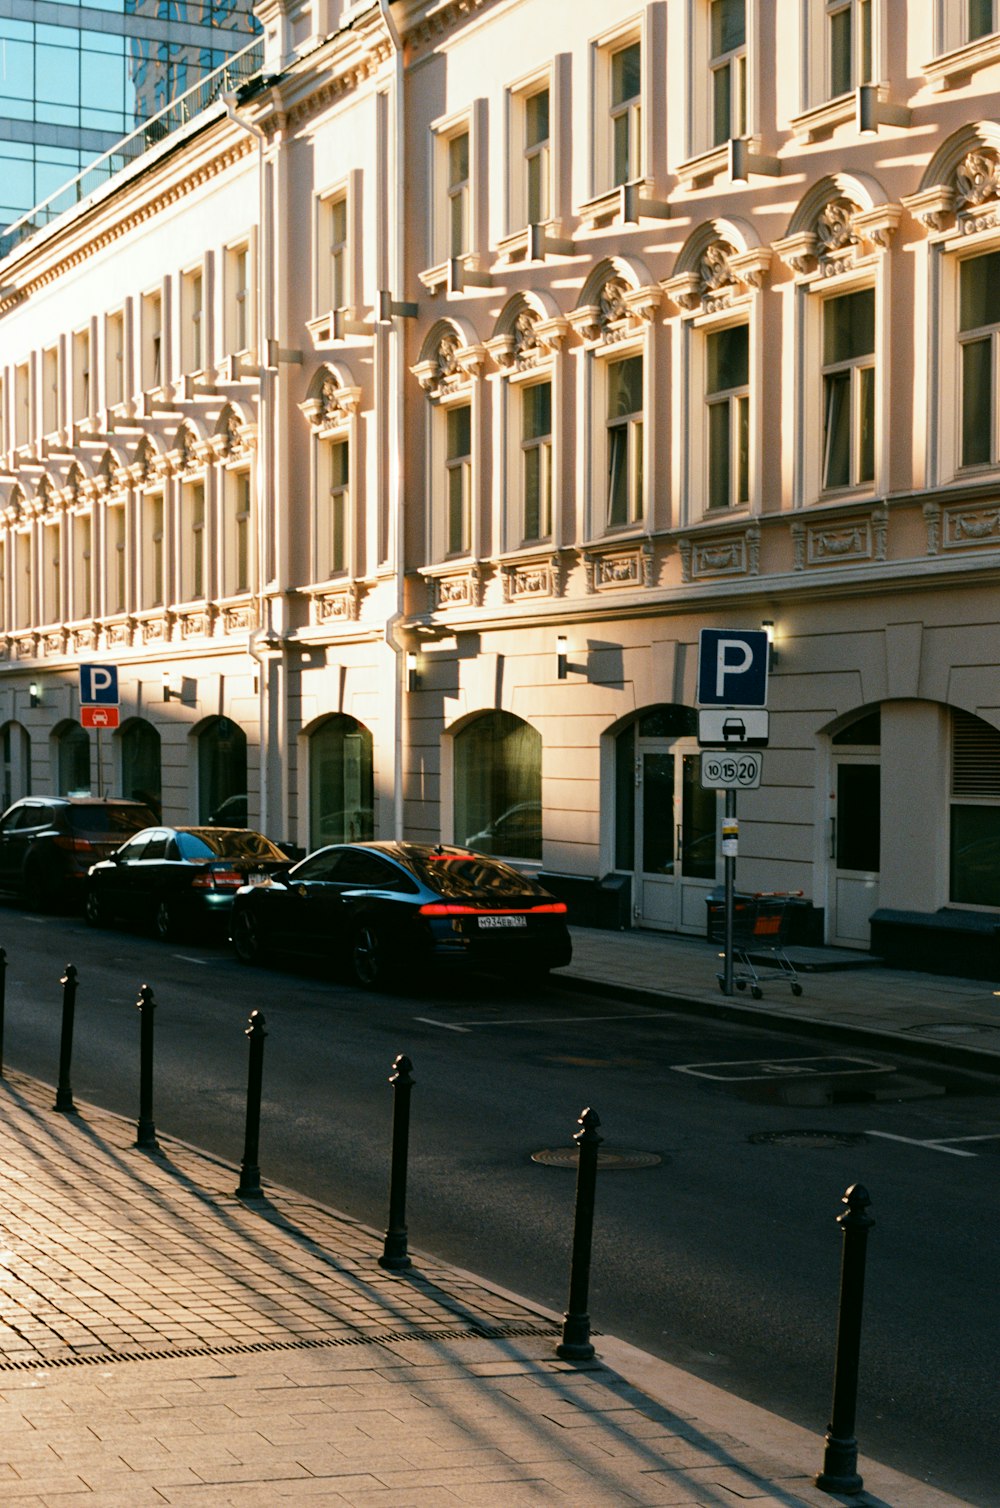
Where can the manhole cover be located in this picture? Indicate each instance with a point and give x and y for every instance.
(952, 1028)
(818, 1139)
(609, 1159)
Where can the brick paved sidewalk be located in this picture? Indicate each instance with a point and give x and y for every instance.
(161, 1342)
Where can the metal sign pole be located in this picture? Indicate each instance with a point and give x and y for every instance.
(100, 766)
(729, 850)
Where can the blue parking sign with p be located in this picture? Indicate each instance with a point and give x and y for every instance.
(732, 667)
(99, 685)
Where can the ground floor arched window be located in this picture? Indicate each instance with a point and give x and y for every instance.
(222, 770)
(498, 786)
(975, 812)
(140, 763)
(341, 783)
(72, 760)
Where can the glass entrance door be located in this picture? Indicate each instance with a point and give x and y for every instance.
(854, 848)
(676, 839)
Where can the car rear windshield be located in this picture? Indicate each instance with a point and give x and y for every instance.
(227, 843)
(454, 875)
(113, 821)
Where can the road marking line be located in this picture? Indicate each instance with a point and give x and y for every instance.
(930, 1146)
(446, 1025)
(564, 1020)
(188, 959)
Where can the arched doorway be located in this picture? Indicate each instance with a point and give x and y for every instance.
(498, 786)
(665, 823)
(222, 767)
(341, 782)
(855, 828)
(72, 750)
(139, 744)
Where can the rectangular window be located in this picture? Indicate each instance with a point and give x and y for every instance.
(51, 574)
(153, 550)
(727, 394)
(536, 158)
(236, 555)
(22, 404)
(152, 340)
(981, 18)
(81, 375)
(536, 461)
(979, 336)
(728, 67)
(332, 291)
(82, 589)
(22, 579)
(457, 193)
(114, 359)
(50, 390)
(193, 542)
(192, 315)
(239, 307)
(117, 560)
(624, 440)
(626, 113)
(849, 390)
(332, 510)
(849, 45)
(458, 478)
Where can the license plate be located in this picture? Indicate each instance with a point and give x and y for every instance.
(503, 921)
(258, 878)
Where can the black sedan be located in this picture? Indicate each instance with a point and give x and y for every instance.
(176, 877)
(377, 909)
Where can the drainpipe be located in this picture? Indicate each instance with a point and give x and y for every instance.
(397, 428)
(261, 634)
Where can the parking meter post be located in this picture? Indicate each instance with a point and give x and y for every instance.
(395, 1256)
(840, 1457)
(249, 1168)
(146, 1131)
(730, 861)
(64, 1090)
(3, 1000)
(576, 1344)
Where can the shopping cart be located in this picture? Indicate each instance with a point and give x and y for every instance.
(760, 925)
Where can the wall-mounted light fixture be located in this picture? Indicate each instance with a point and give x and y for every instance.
(35, 694)
(412, 673)
(562, 664)
(767, 625)
(168, 690)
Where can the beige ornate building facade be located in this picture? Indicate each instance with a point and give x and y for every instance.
(396, 424)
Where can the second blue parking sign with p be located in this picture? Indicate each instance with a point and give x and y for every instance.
(732, 667)
(99, 685)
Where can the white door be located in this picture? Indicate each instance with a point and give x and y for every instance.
(854, 848)
(676, 842)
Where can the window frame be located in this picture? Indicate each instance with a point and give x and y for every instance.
(193, 556)
(236, 566)
(51, 553)
(115, 390)
(82, 382)
(152, 339)
(81, 525)
(345, 191)
(944, 456)
(116, 558)
(239, 285)
(738, 90)
(704, 330)
(519, 151)
(153, 549)
(195, 321)
(854, 369)
(635, 443)
(819, 86)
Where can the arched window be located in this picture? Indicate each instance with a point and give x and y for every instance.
(498, 786)
(222, 767)
(73, 760)
(341, 783)
(140, 750)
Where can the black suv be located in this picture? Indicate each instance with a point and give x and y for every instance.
(48, 843)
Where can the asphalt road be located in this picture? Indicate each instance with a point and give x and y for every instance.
(723, 1257)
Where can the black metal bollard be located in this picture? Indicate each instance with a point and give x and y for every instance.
(575, 1344)
(394, 1251)
(3, 1000)
(64, 1089)
(249, 1169)
(840, 1459)
(146, 1131)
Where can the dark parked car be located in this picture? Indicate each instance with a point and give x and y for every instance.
(380, 910)
(176, 877)
(48, 843)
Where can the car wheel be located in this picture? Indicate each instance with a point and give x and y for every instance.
(165, 921)
(246, 938)
(94, 909)
(369, 964)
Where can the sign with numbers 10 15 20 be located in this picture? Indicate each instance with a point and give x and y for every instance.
(735, 770)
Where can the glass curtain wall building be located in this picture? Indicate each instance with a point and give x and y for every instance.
(75, 79)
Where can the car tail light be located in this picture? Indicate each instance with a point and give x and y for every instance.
(74, 845)
(445, 908)
(218, 879)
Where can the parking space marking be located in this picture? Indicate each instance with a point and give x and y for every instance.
(741, 1070)
(930, 1145)
(467, 1026)
(188, 959)
(447, 1026)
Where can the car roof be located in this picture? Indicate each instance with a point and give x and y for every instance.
(80, 801)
